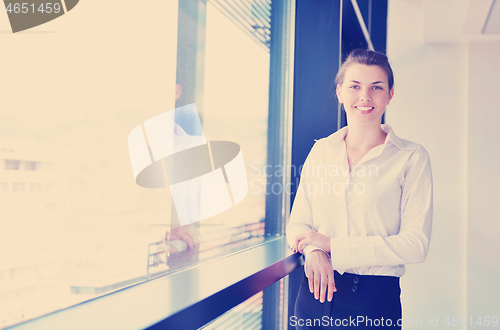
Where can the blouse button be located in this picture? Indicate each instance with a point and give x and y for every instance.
(354, 288)
(356, 280)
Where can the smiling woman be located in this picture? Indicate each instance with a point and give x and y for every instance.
(365, 85)
(356, 243)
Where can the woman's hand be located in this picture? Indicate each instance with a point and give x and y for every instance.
(187, 234)
(311, 237)
(319, 271)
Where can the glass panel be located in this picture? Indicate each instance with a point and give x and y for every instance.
(236, 107)
(229, 110)
(76, 223)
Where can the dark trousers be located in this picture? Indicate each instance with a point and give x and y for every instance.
(361, 302)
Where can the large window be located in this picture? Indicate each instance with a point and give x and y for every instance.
(76, 222)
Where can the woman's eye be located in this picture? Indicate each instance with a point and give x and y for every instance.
(355, 87)
(377, 87)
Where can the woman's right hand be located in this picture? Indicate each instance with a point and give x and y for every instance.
(319, 271)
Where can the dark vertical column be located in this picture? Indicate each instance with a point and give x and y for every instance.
(190, 67)
(191, 52)
(317, 37)
(279, 43)
(352, 34)
(316, 63)
(375, 16)
(378, 14)
(271, 313)
(275, 129)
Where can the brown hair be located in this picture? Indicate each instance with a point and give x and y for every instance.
(366, 57)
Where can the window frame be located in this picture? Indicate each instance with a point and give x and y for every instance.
(144, 305)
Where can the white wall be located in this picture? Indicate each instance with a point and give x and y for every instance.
(483, 243)
(430, 108)
(446, 90)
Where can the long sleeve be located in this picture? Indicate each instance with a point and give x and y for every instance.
(301, 217)
(411, 244)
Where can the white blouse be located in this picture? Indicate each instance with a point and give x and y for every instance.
(379, 216)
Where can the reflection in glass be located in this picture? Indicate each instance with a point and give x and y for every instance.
(75, 225)
(234, 108)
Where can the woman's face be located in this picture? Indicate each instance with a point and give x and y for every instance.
(364, 93)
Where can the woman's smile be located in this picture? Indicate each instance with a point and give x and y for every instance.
(364, 109)
(364, 93)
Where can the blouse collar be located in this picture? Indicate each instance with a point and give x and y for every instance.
(337, 138)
